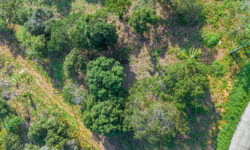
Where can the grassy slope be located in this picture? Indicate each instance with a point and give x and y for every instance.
(44, 95)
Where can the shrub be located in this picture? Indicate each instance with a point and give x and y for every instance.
(59, 38)
(218, 69)
(156, 122)
(22, 15)
(105, 118)
(211, 40)
(120, 7)
(35, 45)
(141, 17)
(39, 21)
(4, 109)
(77, 35)
(12, 142)
(13, 124)
(74, 62)
(101, 35)
(104, 78)
(3, 26)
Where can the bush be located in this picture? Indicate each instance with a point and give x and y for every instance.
(104, 78)
(77, 35)
(59, 38)
(3, 26)
(211, 40)
(218, 69)
(105, 118)
(22, 15)
(120, 7)
(101, 35)
(156, 122)
(12, 142)
(74, 62)
(4, 109)
(48, 131)
(13, 124)
(35, 45)
(39, 21)
(141, 17)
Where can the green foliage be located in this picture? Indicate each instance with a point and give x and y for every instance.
(238, 100)
(22, 15)
(40, 21)
(8, 9)
(74, 62)
(104, 78)
(211, 40)
(35, 45)
(101, 35)
(48, 131)
(218, 69)
(59, 38)
(77, 35)
(156, 122)
(13, 124)
(141, 17)
(31, 147)
(120, 7)
(4, 109)
(105, 117)
(12, 142)
(185, 84)
(3, 26)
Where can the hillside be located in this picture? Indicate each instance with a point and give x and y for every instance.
(127, 74)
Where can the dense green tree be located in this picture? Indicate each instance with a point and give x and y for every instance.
(77, 35)
(40, 21)
(140, 17)
(4, 109)
(13, 124)
(101, 35)
(104, 78)
(120, 7)
(105, 118)
(12, 142)
(48, 131)
(22, 15)
(74, 62)
(37, 132)
(59, 37)
(185, 84)
(8, 9)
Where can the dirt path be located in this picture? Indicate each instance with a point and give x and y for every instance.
(50, 99)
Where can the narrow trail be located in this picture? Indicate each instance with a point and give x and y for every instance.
(50, 99)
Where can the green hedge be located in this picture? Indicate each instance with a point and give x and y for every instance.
(239, 98)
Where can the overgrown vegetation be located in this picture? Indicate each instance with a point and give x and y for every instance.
(126, 86)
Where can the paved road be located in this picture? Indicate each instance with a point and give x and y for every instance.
(241, 137)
